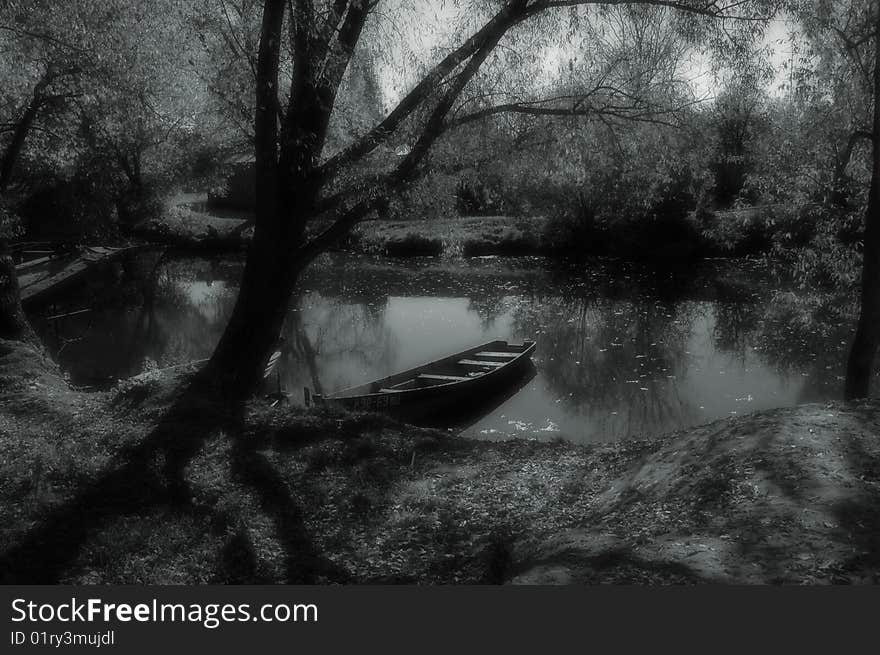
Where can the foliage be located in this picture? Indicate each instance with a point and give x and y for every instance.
(95, 95)
(414, 245)
(479, 197)
(819, 249)
(10, 223)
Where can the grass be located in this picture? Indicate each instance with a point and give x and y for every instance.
(453, 237)
(413, 245)
(184, 226)
(157, 485)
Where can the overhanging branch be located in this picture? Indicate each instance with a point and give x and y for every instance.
(513, 13)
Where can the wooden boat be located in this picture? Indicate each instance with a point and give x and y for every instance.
(455, 382)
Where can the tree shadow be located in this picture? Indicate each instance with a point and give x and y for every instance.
(303, 563)
(860, 516)
(150, 475)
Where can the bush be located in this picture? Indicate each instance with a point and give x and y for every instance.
(797, 226)
(414, 245)
(511, 242)
(139, 205)
(608, 220)
(479, 198)
(10, 223)
(675, 197)
(71, 210)
(579, 230)
(664, 238)
(826, 259)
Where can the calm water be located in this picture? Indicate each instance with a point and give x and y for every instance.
(621, 351)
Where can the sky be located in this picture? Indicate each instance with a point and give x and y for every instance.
(424, 32)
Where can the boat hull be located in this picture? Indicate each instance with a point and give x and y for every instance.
(460, 396)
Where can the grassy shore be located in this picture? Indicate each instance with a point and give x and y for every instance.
(187, 223)
(130, 486)
(459, 236)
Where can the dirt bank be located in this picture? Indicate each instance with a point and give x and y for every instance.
(285, 496)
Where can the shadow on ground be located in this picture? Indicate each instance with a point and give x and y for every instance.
(149, 479)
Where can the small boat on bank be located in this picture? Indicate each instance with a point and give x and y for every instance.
(455, 382)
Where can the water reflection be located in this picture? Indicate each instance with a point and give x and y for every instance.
(620, 352)
(615, 365)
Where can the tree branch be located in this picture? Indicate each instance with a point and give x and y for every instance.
(346, 219)
(513, 13)
(496, 26)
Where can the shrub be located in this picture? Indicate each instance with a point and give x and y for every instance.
(517, 240)
(70, 210)
(664, 238)
(414, 245)
(826, 260)
(479, 198)
(578, 230)
(10, 223)
(138, 205)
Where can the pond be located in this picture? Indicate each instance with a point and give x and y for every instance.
(622, 351)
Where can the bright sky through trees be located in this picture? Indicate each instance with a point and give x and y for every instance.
(430, 30)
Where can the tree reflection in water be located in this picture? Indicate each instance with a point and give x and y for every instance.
(622, 351)
(619, 362)
(332, 342)
(150, 311)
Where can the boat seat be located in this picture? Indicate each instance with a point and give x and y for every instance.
(488, 353)
(401, 386)
(442, 378)
(474, 362)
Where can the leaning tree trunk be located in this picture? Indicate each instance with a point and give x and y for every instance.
(839, 196)
(22, 129)
(284, 197)
(13, 322)
(237, 365)
(864, 348)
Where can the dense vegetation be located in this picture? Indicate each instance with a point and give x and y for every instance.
(102, 124)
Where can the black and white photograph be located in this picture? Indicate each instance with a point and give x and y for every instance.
(438, 293)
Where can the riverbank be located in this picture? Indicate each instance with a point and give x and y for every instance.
(187, 226)
(452, 237)
(809, 242)
(289, 496)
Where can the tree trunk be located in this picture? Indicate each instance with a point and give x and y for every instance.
(864, 347)
(22, 128)
(239, 361)
(272, 266)
(7, 166)
(13, 322)
(839, 195)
